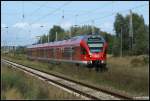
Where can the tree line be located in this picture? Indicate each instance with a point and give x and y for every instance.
(122, 30)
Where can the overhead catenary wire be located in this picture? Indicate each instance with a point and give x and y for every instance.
(95, 19)
(67, 10)
(115, 12)
(23, 17)
(89, 12)
(76, 14)
(99, 18)
(45, 6)
(105, 16)
(98, 8)
(52, 11)
(95, 9)
(36, 10)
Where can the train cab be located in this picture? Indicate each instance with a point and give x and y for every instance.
(94, 49)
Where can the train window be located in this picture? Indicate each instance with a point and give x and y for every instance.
(37, 52)
(67, 52)
(94, 49)
(105, 51)
(83, 51)
(47, 53)
(29, 52)
(44, 52)
(95, 46)
(51, 53)
(54, 52)
(73, 50)
(41, 54)
(33, 53)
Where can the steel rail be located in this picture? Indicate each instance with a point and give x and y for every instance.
(118, 95)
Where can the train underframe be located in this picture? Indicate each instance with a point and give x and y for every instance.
(97, 64)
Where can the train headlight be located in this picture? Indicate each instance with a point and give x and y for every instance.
(90, 55)
(103, 61)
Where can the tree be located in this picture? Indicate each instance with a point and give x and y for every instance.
(147, 39)
(20, 50)
(116, 46)
(119, 26)
(140, 34)
(109, 39)
(83, 30)
(43, 39)
(60, 33)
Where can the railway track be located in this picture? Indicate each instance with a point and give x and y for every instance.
(80, 89)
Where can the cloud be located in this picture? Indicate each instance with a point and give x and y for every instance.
(107, 26)
(21, 25)
(36, 25)
(3, 25)
(3, 28)
(26, 25)
(66, 25)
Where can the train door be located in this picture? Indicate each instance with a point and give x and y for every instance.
(83, 53)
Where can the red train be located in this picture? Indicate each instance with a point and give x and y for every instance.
(85, 49)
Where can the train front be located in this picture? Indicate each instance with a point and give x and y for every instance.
(93, 49)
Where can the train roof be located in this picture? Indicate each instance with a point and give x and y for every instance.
(75, 41)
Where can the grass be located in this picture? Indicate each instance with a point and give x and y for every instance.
(124, 75)
(16, 85)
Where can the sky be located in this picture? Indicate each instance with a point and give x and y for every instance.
(21, 21)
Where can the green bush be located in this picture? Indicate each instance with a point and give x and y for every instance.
(135, 62)
(29, 89)
(146, 59)
(120, 75)
(140, 60)
(10, 81)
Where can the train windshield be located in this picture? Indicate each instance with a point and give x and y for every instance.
(95, 47)
(95, 44)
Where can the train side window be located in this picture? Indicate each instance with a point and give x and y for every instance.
(83, 51)
(44, 52)
(38, 52)
(105, 51)
(51, 53)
